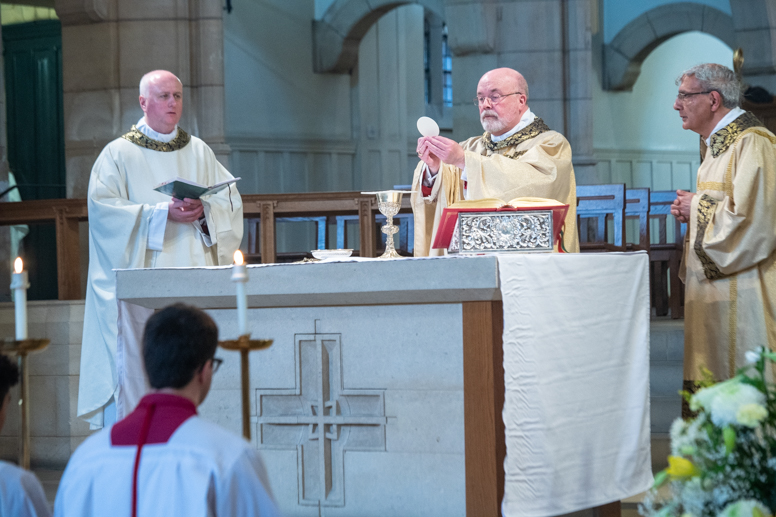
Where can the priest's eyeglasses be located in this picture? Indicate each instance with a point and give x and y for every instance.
(682, 96)
(217, 364)
(494, 99)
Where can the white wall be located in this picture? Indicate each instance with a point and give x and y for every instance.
(390, 98)
(638, 137)
(619, 13)
(292, 130)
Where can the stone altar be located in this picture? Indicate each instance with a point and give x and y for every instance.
(383, 391)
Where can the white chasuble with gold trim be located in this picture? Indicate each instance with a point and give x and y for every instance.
(534, 162)
(730, 249)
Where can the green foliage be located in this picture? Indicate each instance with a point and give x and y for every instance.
(723, 462)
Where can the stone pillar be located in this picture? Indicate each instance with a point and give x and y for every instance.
(755, 26)
(549, 42)
(5, 231)
(108, 45)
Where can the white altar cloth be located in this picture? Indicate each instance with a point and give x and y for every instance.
(576, 406)
(576, 353)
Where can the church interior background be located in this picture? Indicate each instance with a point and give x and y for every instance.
(323, 95)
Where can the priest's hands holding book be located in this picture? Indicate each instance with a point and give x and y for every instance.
(185, 210)
(436, 149)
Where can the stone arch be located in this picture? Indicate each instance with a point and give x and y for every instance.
(754, 22)
(622, 57)
(337, 34)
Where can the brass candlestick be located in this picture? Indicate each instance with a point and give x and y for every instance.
(21, 348)
(245, 345)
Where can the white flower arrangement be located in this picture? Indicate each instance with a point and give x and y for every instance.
(723, 462)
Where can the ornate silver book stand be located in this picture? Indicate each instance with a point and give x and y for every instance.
(498, 232)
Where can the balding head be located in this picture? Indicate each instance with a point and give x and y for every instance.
(161, 98)
(155, 77)
(508, 78)
(511, 90)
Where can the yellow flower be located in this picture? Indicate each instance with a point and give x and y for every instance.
(681, 468)
(751, 415)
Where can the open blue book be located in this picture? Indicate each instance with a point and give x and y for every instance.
(182, 188)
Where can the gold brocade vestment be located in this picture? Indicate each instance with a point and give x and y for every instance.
(730, 249)
(534, 162)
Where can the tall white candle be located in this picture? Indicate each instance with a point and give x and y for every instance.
(240, 276)
(19, 284)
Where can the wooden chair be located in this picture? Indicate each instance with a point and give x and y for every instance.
(600, 204)
(254, 224)
(637, 207)
(665, 257)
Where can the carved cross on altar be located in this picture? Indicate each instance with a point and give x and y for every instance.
(321, 419)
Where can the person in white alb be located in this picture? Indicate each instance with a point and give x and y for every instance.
(21, 494)
(163, 459)
(133, 226)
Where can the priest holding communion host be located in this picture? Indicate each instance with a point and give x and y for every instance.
(517, 156)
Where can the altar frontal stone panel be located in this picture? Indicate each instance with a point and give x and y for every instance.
(353, 405)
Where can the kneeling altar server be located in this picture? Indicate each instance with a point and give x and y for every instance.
(163, 459)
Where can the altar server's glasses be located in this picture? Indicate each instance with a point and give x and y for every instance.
(494, 99)
(217, 364)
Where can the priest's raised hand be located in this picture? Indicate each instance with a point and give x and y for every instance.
(185, 210)
(441, 148)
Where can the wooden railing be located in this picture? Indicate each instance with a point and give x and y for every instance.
(67, 213)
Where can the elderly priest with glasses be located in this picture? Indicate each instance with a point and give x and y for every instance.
(729, 263)
(517, 156)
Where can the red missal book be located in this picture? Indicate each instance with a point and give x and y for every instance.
(449, 218)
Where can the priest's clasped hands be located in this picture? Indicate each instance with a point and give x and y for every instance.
(185, 210)
(681, 206)
(436, 149)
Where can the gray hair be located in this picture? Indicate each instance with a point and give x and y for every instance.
(718, 78)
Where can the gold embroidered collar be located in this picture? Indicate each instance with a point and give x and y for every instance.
(532, 130)
(180, 141)
(724, 138)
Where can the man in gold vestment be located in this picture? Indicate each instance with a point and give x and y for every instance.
(518, 156)
(730, 248)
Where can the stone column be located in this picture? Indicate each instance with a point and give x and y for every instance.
(5, 231)
(549, 42)
(108, 45)
(755, 26)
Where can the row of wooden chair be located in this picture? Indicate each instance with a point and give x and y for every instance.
(603, 212)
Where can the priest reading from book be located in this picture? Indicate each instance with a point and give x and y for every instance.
(163, 459)
(517, 156)
(131, 225)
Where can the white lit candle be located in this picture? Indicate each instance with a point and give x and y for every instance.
(240, 276)
(20, 284)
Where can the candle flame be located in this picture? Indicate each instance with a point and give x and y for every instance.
(18, 265)
(238, 258)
